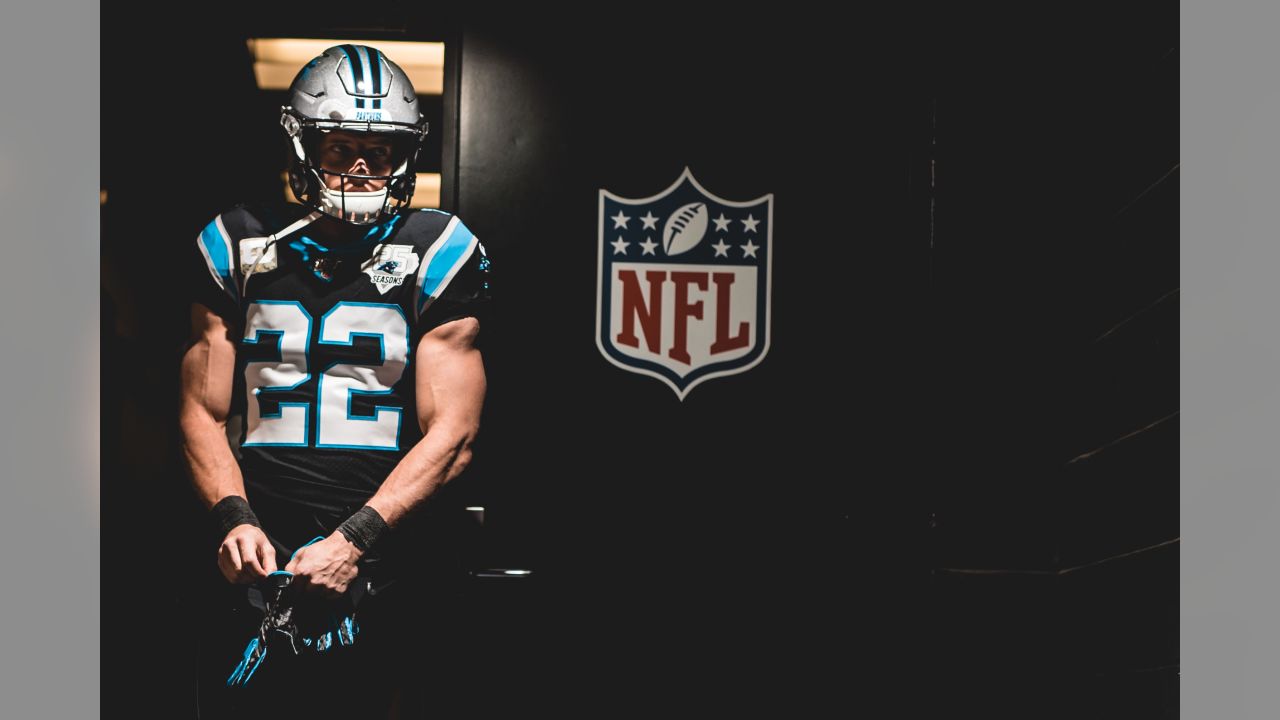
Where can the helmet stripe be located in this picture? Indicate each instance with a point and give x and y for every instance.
(375, 69)
(357, 71)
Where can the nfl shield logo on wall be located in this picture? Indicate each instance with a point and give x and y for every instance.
(684, 283)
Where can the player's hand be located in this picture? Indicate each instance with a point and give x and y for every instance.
(327, 566)
(246, 555)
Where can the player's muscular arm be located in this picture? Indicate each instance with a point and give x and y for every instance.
(208, 366)
(450, 388)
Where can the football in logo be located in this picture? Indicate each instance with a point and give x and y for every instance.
(685, 228)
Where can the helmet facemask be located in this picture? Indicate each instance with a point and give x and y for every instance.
(307, 175)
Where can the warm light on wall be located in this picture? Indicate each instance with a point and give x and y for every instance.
(277, 60)
(426, 193)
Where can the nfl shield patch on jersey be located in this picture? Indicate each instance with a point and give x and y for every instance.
(684, 283)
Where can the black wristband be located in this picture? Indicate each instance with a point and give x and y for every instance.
(231, 511)
(363, 528)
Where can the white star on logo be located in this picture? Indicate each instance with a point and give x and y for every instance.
(650, 222)
(722, 250)
(620, 221)
(648, 246)
(749, 250)
(722, 223)
(619, 246)
(750, 223)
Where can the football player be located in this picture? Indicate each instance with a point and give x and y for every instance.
(337, 338)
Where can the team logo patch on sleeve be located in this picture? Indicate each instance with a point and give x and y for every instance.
(684, 283)
(390, 265)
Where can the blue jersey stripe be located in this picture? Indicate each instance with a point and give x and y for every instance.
(445, 263)
(217, 248)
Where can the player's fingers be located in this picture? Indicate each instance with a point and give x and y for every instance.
(346, 578)
(249, 559)
(324, 586)
(231, 554)
(236, 571)
(224, 566)
(293, 562)
(313, 583)
(267, 557)
(335, 584)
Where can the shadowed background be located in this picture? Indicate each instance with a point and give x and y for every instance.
(951, 483)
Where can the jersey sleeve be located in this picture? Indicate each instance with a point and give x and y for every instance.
(214, 276)
(453, 281)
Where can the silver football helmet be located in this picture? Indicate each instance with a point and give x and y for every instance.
(358, 89)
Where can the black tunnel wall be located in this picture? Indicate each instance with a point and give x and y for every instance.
(743, 538)
(1054, 326)
(919, 496)
(992, 463)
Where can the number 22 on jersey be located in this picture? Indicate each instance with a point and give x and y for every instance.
(287, 325)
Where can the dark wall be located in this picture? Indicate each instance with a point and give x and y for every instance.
(1055, 319)
(756, 526)
(966, 413)
(1119, 538)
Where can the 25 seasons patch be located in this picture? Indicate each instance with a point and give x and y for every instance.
(389, 266)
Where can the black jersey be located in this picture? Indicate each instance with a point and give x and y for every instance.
(326, 341)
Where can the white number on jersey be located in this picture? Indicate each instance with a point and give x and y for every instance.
(338, 384)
